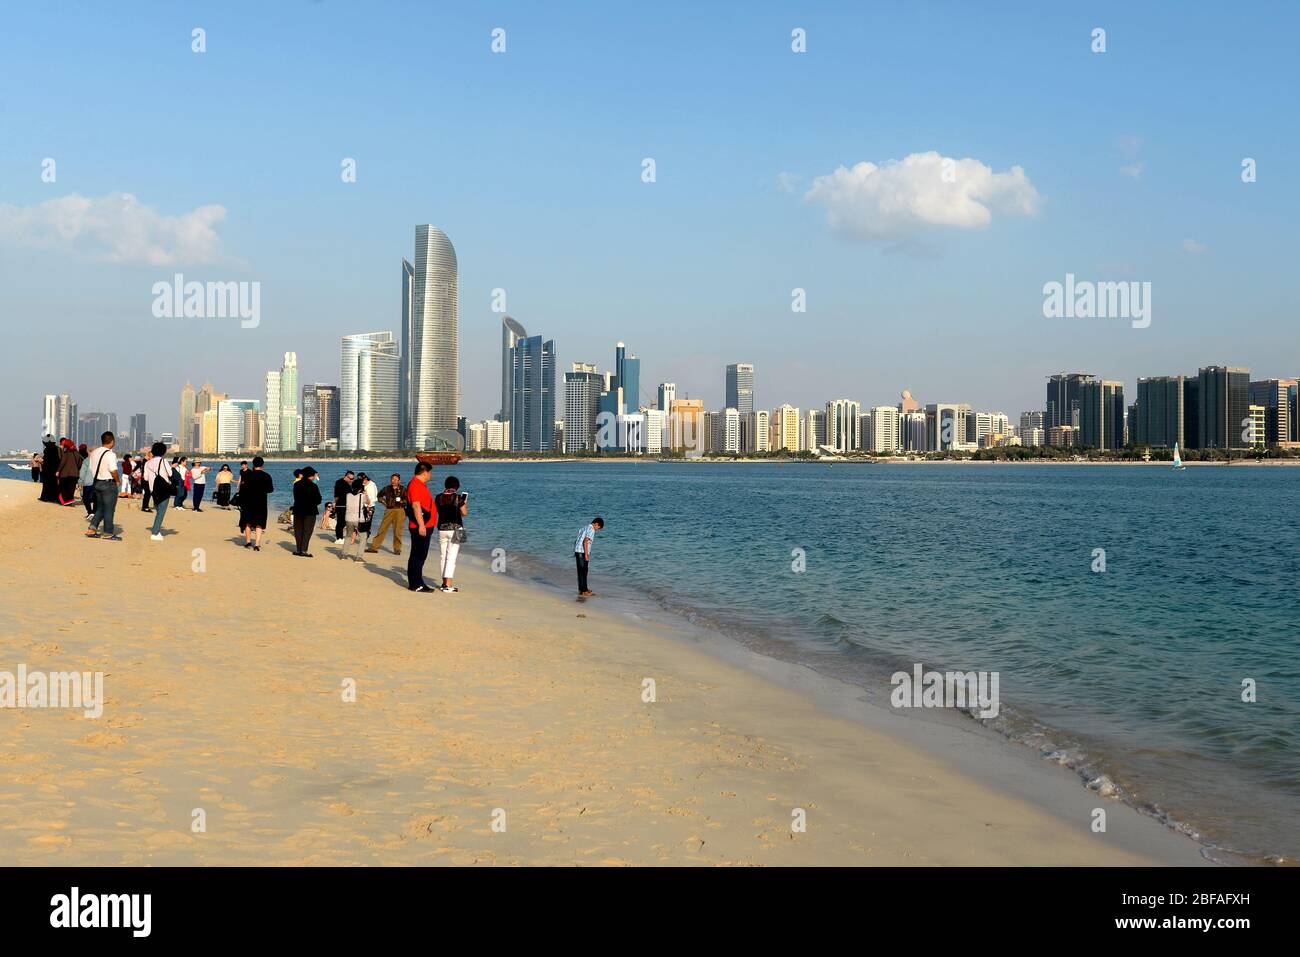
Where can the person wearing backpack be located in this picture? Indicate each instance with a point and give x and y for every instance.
(158, 479)
(103, 471)
(87, 485)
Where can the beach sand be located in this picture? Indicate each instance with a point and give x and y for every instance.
(224, 693)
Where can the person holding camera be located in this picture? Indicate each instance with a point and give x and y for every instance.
(451, 506)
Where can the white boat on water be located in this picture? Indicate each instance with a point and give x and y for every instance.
(1178, 461)
(20, 468)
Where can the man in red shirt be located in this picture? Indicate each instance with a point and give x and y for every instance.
(421, 501)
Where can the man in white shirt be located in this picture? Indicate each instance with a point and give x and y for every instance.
(582, 555)
(104, 478)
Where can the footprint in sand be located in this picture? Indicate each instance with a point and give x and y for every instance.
(103, 739)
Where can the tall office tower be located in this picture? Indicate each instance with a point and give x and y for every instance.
(913, 431)
(687, 427)
(740, 387)
(434, 389)
(559, 436)
(272, 436)
(627, 370)
(1063, 398)
(290, 422)
(511, 333)
(253, 431)
(1131, 424)
(990, 427)
(404, 398)
(667, 392)
(722, 432)
(1161, 411)
(842, 424)
(1101, 415)
(1275, 395)
(1191, 412)
(883, 433)
(583, 386)
(352, 348)
(907, 404)
(138, 432)
(814, 430)
(378, 377)
(1221, 413)
(785, 427)
(755, 431)
(1031, 420)
(320, 415)
(184, 424)
(532, 395)
(205, 399)
(237, 425)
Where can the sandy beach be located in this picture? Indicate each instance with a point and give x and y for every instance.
(225, 674)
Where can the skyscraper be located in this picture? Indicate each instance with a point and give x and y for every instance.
(511, 333)
(352, 348)
(627, 376)
(842, 424)
(532, 395)
(434, 386)
(740, 387)
(1063, 398)
(1222, 411)
(138, 433)
(785, 428)
(1161, 411)
(288, 408)
(667, 392)
(237, 425)
(378, 375)
(1101, 414)
(408, 337)
(320, 415)
(883, 432)
(184, 427)
(582, 388)
(272, 437)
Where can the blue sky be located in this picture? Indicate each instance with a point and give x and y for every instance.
(531, 162)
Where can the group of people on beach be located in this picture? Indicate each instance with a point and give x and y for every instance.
(161, 484)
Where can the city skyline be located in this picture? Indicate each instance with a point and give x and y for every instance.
(733, 222)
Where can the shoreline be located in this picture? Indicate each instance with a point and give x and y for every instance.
(502, 696)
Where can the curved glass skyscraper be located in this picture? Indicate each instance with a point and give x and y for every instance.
(432, 366)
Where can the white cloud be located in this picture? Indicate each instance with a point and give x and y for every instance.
(1133, 170)
(115, 228)
(1193, 247)
(899, 199)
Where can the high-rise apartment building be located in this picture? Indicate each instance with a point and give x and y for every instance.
(667, 392)
(755, 431)
(290, 420)
(1277, 396)
(785, 428)
(1063, 398)
(842, 424)
(138, 435)
(320, 416)
(349, 396)
(583, 386)
(884, 429)
(687, 426)
(1224, 398)
(1161, 412)
(185, 423)
(532, 395)
(237, 428)
(740, 387)
(272, 437)
(1101, 414)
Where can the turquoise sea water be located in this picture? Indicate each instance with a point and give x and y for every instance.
(1132, 674)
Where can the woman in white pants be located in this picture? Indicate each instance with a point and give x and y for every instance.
(452, 506)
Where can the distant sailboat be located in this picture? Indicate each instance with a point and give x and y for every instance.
(1178, 462)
